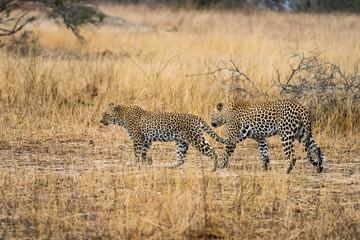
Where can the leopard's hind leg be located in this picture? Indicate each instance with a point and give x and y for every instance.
(144, 149)
(204, 147)
(310, 146)
(181, 149)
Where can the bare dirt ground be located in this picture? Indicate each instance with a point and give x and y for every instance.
(88, 160)
(342, 163)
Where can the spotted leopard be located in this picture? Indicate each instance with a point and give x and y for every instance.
(258, 121)
(145, 127)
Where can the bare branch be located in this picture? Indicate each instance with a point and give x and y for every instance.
(74, 13)
(237, 80)
(18, 25)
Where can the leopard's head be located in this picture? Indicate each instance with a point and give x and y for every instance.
(111, 115)
(218, 117)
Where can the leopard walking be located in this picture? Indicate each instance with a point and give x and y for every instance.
(258, 121)
(145, 127)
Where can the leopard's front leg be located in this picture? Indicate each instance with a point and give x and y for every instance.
(235, 135)
(137, 152)
(229, 151)
(140, 148)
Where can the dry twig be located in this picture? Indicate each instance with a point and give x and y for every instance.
(240, 83)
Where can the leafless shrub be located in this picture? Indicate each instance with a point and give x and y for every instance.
(321, 85)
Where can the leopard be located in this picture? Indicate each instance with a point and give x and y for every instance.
(145, 127)
(260, 120)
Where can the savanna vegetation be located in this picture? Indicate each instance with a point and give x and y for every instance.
(63, 175)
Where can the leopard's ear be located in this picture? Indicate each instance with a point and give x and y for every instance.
(117, 107)
(220, 106)
(111, 104)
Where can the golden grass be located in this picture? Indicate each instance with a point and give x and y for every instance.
(55, 184)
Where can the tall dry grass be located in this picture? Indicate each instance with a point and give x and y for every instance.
(117, 203)
(54, 184)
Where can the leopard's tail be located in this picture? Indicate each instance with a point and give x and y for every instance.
(306, 138)
(206, 128)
